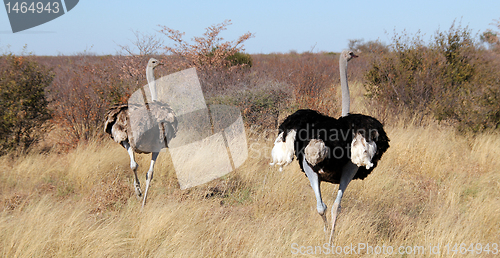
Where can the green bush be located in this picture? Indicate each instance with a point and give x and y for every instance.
(239, 58)
(453, 79)
(23, 106)
(403, 77)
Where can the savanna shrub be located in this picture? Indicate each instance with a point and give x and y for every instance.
(260, 106)
(241, 59)
(23, 105)
(366, 48)
(308, 75)
(403, 77)
(451, 79)
(491, 37)
(216, 60)
(83, 90)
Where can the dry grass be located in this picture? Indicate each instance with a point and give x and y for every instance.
(432, 187)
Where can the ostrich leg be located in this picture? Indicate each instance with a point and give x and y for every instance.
(133, 166)
(314, 180)
(149, 176)
(348, 172)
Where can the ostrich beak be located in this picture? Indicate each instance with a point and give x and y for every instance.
(158, 64)
(353, 55)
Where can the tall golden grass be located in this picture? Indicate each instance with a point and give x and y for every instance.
(433, 187)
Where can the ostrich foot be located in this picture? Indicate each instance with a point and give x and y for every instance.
(137, 185)
(323, 216)
(138, 192)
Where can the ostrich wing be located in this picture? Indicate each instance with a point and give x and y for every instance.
(116, 122)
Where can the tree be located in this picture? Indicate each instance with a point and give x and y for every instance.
(216, 60)
(147, 44)
(491, 37)
(370, 47)
(209, 51)
(23, 106)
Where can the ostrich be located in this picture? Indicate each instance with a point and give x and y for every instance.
(156, 122)
(331, 150)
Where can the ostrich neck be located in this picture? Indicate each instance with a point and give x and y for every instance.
(152, 84)
(345, 88)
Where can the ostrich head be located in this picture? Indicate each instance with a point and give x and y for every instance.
(153, 63)
(348, 55)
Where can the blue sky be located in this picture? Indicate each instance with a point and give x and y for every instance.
(279, 26)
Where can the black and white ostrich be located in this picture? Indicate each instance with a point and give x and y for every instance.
(142, 128)
(329, 149)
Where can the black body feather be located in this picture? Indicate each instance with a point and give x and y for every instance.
(337, 134)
